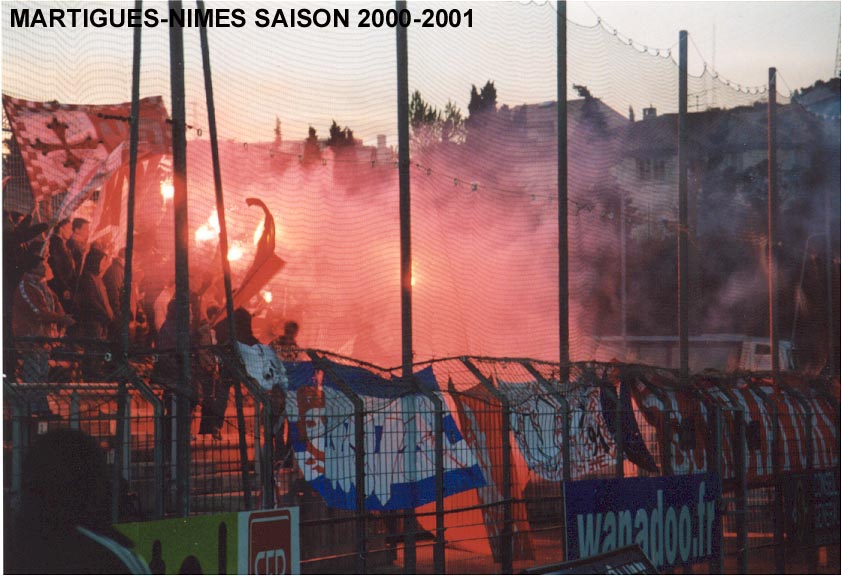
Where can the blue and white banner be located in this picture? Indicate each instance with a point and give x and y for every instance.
(263, 365)
(321, 419)
(674, 519)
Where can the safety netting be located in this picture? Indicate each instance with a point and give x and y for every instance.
(308, 129)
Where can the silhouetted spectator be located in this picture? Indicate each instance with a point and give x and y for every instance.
(161, 302)
(78, 242)
(287, 349)
(36, 312)
(242, 328)
(94, 309)
(166, 367)
(285, 344)
(65, 273)
(64, 525)
(206, 371)
(113, 279)
(227, 378)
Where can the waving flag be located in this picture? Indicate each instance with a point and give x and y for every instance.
(537, 423)
(634, 447)
(764, 408)
(265, 265)
(322, 429)
(110, 212)
(263, 365)
(481, 418)
(57, 141)
(92, 174)
(593, 451)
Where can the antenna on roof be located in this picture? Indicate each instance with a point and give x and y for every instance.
(713, 65)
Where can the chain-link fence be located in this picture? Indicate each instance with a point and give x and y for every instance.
(294, 216)
(495, 440)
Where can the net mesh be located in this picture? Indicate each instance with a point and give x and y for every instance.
(483, 179)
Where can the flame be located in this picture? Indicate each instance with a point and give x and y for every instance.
(208, 230)
(167, 190)
(235, 252)
(267, 296)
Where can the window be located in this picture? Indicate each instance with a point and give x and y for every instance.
(659, 170)
(648, 169)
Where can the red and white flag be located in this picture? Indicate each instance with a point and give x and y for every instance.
(58, 142)
(110, 213)
(92, 174)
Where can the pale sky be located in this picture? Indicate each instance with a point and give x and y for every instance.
(799, 38)
(311, 76)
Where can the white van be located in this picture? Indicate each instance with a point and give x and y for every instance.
(724, 352)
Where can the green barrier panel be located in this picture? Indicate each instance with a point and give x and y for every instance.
(259, 542)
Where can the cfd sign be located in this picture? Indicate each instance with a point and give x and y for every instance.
(268, 542)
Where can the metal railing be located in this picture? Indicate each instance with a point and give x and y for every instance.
(512, 420)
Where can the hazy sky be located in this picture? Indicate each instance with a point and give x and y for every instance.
(310, 76)
(799, 38)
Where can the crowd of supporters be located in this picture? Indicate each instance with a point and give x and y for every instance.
(63, 291)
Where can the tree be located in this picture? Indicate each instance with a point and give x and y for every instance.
(453, 125)
(340, 137)
(424, 119)
(312, 152)
(482, 108)
(278, 135)
(430, 125)
(483, 101)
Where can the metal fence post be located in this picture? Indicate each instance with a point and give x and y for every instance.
(618, 432)
(17, 447)
(157, 443)
(267, 459)
(777, 474)
(263, 457)
(359, 473)
(812, 552)
(127, 437)
(665, 431)
(73, 417)
(241, 435)
(507, 538)
(119, 454)
(359, 456)
(565, 414)
(439, 564)
(740, 495)
(234, 368)
(717, 566)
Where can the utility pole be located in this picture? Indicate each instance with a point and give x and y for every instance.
(223, 249)
(182, 283)
(561, 136)
(832, 338)
(407, 402)
(683, 268)
(772, 222)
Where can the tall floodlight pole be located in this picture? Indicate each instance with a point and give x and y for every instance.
(778, 510)
(683, 268)
(832, 338)
(407, 402)
(223, 249)
(182, 285)
(134, 137)
(126, 290)
(561, 143)
(772, 222)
